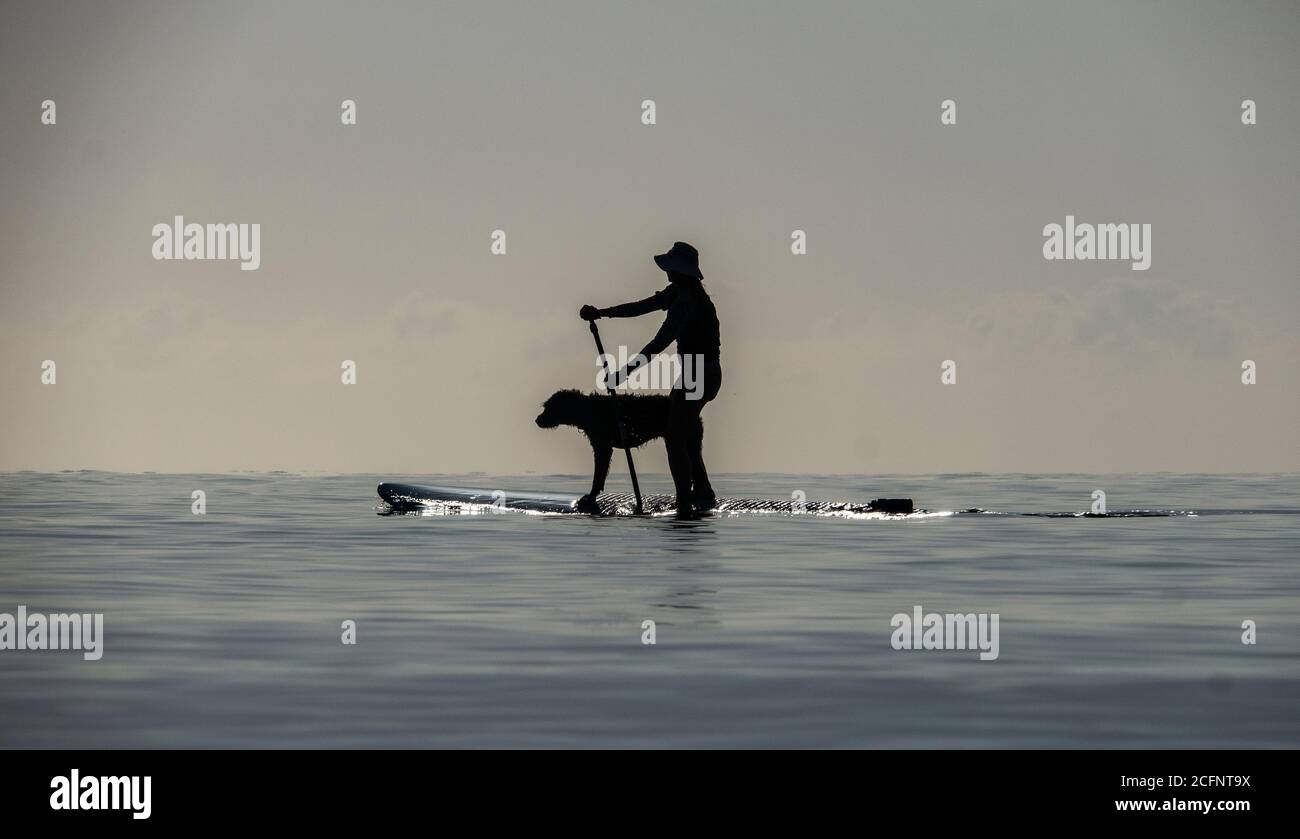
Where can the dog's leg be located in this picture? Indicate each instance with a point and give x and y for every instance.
(601, 453)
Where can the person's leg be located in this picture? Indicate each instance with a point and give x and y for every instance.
(677, 438)
(702, 495)
(702, 491)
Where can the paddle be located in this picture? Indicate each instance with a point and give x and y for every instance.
(622, 439)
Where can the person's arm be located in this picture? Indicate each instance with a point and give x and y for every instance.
(667, 333)
(658, 301)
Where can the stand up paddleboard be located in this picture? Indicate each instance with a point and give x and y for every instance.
(410, 497)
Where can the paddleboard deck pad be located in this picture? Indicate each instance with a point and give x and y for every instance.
(419, 498)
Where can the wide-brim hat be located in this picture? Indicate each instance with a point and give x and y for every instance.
(681, 259)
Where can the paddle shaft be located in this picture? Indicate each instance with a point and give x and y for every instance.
(622, 439)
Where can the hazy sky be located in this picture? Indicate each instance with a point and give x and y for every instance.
(924, 240)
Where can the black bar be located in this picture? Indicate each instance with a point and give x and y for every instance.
(333, 788)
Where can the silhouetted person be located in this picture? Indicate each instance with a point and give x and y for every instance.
(693, 323)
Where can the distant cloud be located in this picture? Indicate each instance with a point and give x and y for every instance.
(418, 320)
(143, 338)
(1138, 314)
(1115, 315)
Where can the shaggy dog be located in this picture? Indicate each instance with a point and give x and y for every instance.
(645, 418)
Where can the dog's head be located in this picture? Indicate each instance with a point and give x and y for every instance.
(563, 408)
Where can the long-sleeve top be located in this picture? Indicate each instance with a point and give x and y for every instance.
(691, 321)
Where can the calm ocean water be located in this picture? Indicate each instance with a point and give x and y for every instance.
(223, 630)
